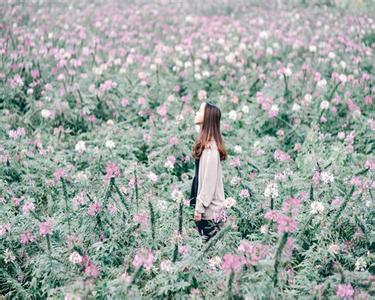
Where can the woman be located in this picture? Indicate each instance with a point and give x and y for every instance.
(207, 194)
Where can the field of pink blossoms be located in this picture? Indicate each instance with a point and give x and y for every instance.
(97, 101)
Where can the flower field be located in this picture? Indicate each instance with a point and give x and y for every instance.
(97, 103)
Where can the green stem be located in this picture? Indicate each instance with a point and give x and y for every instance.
(230, 283)
(136, 187)
(152, 219)
(278, 257)
(65, 192)
(49, 246)
(180, 220)
(120, 195)
(342, 207)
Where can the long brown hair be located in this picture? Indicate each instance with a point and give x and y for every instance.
(210, 130)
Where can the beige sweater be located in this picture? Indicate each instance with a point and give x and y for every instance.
(210, 194)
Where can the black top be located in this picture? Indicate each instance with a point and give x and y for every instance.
(194, 186)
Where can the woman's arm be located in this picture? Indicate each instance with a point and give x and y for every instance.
(210, 166)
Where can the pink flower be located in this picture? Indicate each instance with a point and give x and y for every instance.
(286, 224)
(291, 205)
(26, 237)
(182, 250)
(281, 155)
(94, 209)
(4, 228)
(370, 164)
(29, 206)
(141, 101)
(35, 73)
(356, 180)
(113, 170)
(244, 193)
(297, 147)
(124, 102)
(91, 270)
(235, 162)
(220, 215)
(162, 110)
(316, 177)
(173, 140)
(368, 100)
(336, 202)
(255, 251)
(16, 201)
(271, 215)
(344, 291)
(59, 173)
(141, 218)
(107, 85)
(232, 262)
(143, 258)
(289, 246)
(79, 199)
(46, 227)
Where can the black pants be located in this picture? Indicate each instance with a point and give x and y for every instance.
(208, 228)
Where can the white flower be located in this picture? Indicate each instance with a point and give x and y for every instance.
(269, 51)
(235, 180)
(296, 107)
(263, 34)
(215, 261)
(166, 265)
(46, 113)
(245, 109)
(80, 146)
(343, 78)
(110, 144)
(287, 72)
(324, 104)
(271, 190)
(75, 258)
(110, 122)
(230, 58)
(274, 108)
(238, 149)
(360, 264)
(322, 83)
(177, 195)
(317, 207)
(264, 229)
(229, 202)
(334, 248)
(187, 64)
(326, 177)
(356, 114)
(308, 97)
(331, 55)
(312, 48)
(152, 176)
(81, 176)
(206, 73)
(202, 95)
(342, 64)
(197, 76)
(341, 135)
(233, 115)
(8, 256)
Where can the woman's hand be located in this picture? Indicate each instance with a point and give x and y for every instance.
(197, 216)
